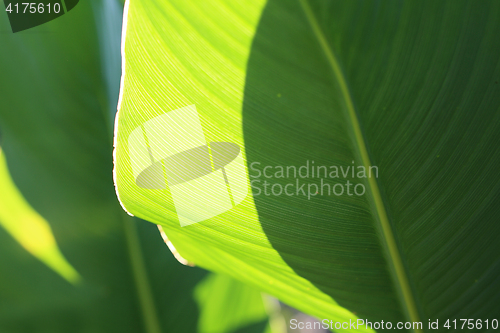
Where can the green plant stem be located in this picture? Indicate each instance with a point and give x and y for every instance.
(381, 214)
(64, 6)
(148, 308)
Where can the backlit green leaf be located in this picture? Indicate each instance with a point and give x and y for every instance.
(409, 88)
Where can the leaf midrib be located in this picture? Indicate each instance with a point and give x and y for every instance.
(388, 240)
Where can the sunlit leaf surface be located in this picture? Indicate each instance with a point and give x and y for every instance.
(410, 88)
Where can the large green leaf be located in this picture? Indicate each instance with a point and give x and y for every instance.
(409, 87)
(56, 91)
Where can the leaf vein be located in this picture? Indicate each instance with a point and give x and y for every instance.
(380, 211)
